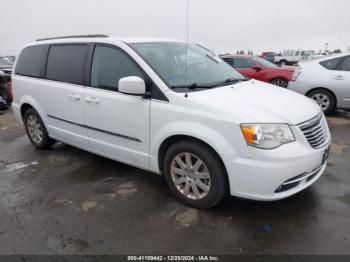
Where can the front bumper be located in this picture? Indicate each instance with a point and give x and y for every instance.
(267, 174)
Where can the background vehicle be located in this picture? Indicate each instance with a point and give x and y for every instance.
(291, 57)
(12, 58)
(325, 80)
(5, 78)
(260, 69)
(269, 56)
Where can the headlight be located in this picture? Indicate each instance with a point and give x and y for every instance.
(267, 136)
(2, 72)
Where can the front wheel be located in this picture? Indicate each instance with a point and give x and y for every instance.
(194, 174)
(324, 99)
(36, 130)
(280, 82)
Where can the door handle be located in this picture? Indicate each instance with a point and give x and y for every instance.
(92, 100)
(338, 77)
(74, 97)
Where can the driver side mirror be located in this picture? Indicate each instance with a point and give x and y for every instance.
(257, 68)
(132, 85)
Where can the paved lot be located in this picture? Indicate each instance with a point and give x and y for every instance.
(66, 201)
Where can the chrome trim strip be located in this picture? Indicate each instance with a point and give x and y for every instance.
(97, 129)
(304, 176)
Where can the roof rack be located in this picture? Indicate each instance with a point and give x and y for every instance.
(73, 36)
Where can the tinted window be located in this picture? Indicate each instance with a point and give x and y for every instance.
(65, 63)
(345, 66)
(31, 61)
(332, 64)
(109, 65)
(243, 63)
(263, 62)
(228, 60)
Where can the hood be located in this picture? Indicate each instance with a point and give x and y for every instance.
(258, 102)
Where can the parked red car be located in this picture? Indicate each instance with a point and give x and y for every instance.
(260, 69)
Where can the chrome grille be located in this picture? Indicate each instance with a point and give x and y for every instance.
(315, 131)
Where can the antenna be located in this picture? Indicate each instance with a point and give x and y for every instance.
(187, 4)
(345, 43)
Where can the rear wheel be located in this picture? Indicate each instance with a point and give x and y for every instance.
(36, 130)
(325, 99)
(194, 174)
(282, 62)
(279, 82)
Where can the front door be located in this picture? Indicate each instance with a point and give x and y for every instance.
(340, 81)
(118, 124)
(245, 67)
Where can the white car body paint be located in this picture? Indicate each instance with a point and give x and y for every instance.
(212, 116)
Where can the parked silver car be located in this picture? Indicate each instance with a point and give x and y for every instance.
(325, 80)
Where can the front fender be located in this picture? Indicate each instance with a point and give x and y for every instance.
(205, 133)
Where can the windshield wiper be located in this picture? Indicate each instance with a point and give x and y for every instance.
(193, 86)
(231, 80)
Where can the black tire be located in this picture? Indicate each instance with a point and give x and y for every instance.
(282, 62)
(46, 142)
(279, 82)
(218, 179)
(327, 95)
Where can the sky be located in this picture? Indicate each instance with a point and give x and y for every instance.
(221, 25)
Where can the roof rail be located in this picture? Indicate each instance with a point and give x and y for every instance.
(73, 36)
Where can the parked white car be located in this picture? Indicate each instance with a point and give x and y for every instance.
(291, 57)
(194, 119)
(325, 80)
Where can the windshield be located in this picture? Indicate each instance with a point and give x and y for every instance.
(204, 69)
(5, 61)
(264, 62)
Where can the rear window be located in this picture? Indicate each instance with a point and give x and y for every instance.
(31, 61)
(65, 63)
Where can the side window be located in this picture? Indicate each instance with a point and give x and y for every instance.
(345, 66)
(243, 63)
(65, 63)
(229, 61)
(31, 61)
(109, 65)
(332, 64)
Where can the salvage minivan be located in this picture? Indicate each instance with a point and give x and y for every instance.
(172, 108)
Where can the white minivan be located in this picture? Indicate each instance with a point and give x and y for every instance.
(173, 108)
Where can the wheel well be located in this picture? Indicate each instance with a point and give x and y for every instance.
(24, 108)
(322, 88)
(279, 77)
(167, 143)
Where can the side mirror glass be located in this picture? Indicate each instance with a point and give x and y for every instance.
(132, 85)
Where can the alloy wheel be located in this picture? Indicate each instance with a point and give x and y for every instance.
(280, 82)
(321, 99)
(35, 129)
(190, 176)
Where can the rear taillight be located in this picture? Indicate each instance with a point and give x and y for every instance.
(11, 91)
(296, 73)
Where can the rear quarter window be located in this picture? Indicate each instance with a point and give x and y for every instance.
(65, 63)
(31, 61)
(332, 64)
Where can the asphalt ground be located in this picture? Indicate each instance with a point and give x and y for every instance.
(68, 201)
